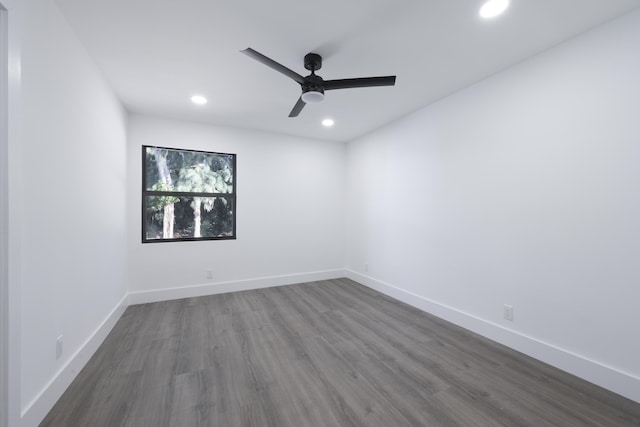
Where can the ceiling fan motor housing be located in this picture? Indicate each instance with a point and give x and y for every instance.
(313, 83)
(313, 89)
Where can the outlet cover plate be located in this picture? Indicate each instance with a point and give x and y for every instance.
(508, 312)
(59, 346)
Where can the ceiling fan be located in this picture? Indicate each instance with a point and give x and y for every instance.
(313, 86)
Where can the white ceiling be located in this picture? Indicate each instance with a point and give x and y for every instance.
(157, 53)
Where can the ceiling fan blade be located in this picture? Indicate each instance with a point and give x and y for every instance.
(297, 108)
(273, 64)
(359, 82)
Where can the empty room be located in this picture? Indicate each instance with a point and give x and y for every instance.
(323, 214)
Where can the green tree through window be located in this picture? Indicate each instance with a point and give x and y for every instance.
(187, 195)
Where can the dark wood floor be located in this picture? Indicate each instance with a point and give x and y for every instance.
(330, 353)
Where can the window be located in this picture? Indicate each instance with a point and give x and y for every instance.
(187, 195)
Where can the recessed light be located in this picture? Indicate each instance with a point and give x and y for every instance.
(493, 8)
(328, 123)
(198, 99)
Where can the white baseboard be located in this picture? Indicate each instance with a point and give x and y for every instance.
(36, 410)
(619, 382)
(144, 297)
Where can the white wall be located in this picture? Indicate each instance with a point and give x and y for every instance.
(73, 225)
(290, 213)
(9, 238)
(523, 190)
(4, 217)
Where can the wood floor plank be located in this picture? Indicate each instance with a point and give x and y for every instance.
(323, 354)
(406, 389)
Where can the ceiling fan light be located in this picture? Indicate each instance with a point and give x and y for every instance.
(312, 97)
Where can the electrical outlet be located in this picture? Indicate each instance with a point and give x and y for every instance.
(209, 274)
(508, 312)
(366, 266)
(59, 347)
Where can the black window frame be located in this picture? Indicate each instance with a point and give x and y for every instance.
(146, 193)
